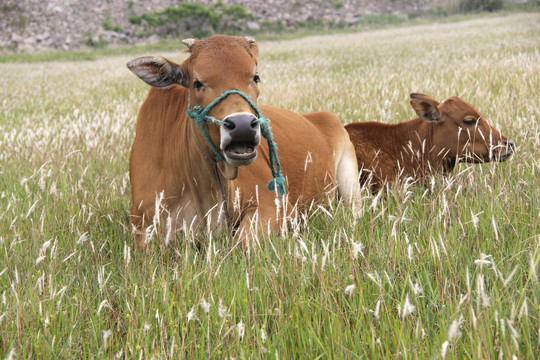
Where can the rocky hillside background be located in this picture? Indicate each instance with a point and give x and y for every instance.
(37, 25)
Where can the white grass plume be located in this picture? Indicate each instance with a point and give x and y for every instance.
(102, 305)
(241, 330)
(205, 306)
(483, 260)
(483, 297)
(192, 315)
(407, 308)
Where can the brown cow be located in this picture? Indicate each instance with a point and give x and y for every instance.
(443, 135)
(173, 166)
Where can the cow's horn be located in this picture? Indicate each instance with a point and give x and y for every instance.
(189, 42)
(250, 40)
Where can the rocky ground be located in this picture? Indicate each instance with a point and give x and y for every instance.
(37, 25)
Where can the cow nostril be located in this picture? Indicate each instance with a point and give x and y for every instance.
(229, 125)
(510, 144)
(241, 127)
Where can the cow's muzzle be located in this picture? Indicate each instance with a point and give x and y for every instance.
(240, 136)
(508, 149)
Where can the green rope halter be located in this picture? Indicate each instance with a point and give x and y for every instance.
(201, 117)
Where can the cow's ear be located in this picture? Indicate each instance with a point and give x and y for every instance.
(158, 71)
(253, 47)
(425, 107)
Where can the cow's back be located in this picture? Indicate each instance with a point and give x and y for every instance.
(309, 147)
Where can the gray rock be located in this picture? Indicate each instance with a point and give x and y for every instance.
(253, 26)
(351, 20)
(42, 37)
(154, 39)
(27, 25)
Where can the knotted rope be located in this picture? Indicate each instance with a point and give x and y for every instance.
(201, 117)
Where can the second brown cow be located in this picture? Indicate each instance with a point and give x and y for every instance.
(442, 135)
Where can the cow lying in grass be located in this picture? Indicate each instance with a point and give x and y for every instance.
(198, 144)
(442, 135)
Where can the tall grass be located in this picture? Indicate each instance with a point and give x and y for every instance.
(443, 270)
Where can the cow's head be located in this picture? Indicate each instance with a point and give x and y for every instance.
(214, 66)
(460, 132)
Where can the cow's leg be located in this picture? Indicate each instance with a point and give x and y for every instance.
(139, 218)
(137, 230)
(347, 176)
(247, 232)
(260, 222)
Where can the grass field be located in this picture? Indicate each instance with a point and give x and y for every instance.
(449, 269)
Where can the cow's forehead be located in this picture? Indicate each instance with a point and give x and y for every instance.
(218, 74)
(212, 57)
(459, 107)
(230, 58)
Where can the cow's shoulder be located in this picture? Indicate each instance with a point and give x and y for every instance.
(368, 133)
(279, 115)
(326, 121)
(367, 127)
(318, 119)
(320, 127)
(372, 140)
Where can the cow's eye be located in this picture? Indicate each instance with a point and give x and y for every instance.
(469, 121)
(257, 79)
(197, 84)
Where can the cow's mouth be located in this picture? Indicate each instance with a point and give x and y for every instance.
(510, 147)
(242, 151)
(505, 156)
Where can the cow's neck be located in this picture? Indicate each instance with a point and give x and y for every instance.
(221, 171)
(414, 141)
(198, 170)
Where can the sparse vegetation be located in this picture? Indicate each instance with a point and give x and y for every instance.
(96, 43)
(23, 20)
(6, 7)
(108, 25)
(449, 269)
(195, 19)
(480, 5)
(337, 4)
